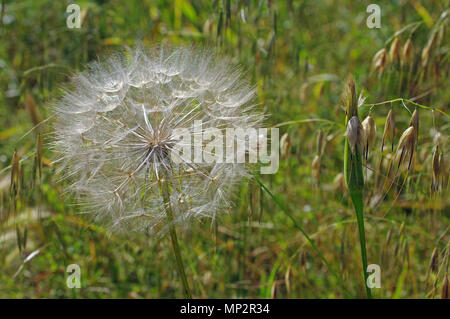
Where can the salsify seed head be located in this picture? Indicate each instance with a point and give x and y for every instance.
(116, 126)
(355, 134)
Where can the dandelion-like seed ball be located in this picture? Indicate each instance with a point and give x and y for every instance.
(116, 127)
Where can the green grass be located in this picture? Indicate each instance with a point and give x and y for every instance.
(287, 236)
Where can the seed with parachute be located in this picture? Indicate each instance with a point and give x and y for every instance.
(117, 125)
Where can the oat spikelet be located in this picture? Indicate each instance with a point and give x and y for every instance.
(379, 61)
(439, 139)
(444, 171)
(369, 134)
(395, 51)
(445, 289)
(285, 145)
(407, 53)
(434, 261)
(405, 148)
(315, 168)
(389, 130)
(435, 171)
(320, 142)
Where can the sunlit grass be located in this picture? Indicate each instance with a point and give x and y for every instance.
(290, 235)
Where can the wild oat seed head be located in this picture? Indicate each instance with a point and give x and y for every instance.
(434, 261)
(349, 99)
(435, 170)
(405, 148)
(428, 49)
(379, 60)
(115, 128)
(389, 129)
(439, 139)
(408, 53)
(445, 288)
(285, 145)
(444, 171)
(315, 167)
(320, 142)
(407, 138)
(395, 51)
(369, 132)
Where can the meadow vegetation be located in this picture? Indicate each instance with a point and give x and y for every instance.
(294, 234)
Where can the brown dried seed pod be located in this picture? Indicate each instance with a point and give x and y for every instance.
(285, 145)
(379, 60)
(320, 142)
(405, 148)
(444, 290)
(444, 171)
(395, 50)
(408, 53)
(389, 129)
(439, 139)
(369, 134)
(32, 109)
(315, 167)
(436, 171)
(434, 261)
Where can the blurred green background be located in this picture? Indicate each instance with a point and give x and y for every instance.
(298, 54)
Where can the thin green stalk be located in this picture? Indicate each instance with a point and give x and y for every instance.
(311, 242)
(353, 171)
(372, 105)
(173, 236)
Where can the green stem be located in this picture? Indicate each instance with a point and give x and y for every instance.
(173, 236)
(357, 200)
(355, 182)
(372, 105)
(353, 171)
